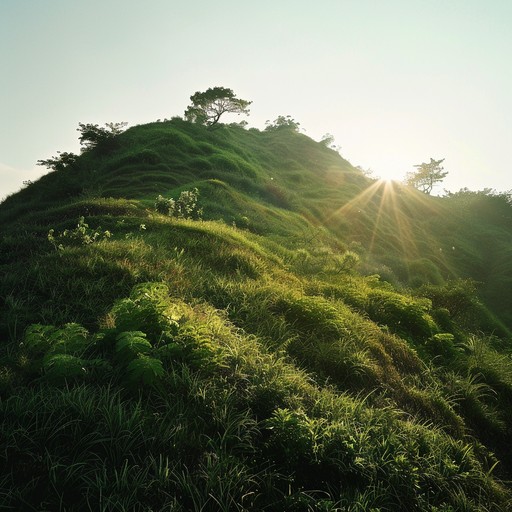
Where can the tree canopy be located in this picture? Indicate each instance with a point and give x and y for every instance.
(427, 175)
(207, 107)
(93, 135)
(282, 123)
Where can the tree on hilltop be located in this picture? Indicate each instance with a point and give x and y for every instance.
(207, 107)
(93, 135)
(282, 123)
(427, 175)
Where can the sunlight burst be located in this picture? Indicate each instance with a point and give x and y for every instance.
(382, 214)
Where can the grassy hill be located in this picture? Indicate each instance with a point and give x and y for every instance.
(235, 319)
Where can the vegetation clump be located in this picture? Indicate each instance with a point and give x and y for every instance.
(185, 207)
(81, 235)
(427, 176)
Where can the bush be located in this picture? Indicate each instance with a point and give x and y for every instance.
(145, 332)
(442, 344)
(185, 207)
(282, 123)
(58, 163)
(93, 136)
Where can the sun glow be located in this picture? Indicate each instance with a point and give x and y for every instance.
(382, 215)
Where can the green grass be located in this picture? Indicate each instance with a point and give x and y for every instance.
(314, 342)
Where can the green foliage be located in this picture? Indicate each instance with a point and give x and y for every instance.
(347, 262)
(207, 107)
(460, 299)
(63, 367)
(130, 345)
(282, 123)
(64, 160)
(150, 325)
(69, 353)
(144, 370)
(312, 442)
(442, 344)
(94, 136)
(427, 176)
(47, 339)
(487, 203)
(328, 140)
(185, 207)
(148, 309)
(402, 314)
(81, 235)
(293, 436)
(60, 354)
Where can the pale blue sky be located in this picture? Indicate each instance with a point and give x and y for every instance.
(395, 81)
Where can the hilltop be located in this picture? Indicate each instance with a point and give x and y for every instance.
(235, 319)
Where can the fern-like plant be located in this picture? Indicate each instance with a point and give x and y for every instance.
(131, 344)
(149, 310)
(144, 370)
(62, 367)
(72, 338)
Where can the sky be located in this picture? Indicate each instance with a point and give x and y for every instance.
(396, 82)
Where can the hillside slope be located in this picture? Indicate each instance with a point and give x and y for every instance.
(294, 337)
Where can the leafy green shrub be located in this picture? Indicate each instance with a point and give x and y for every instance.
(292, 436)
(150, 325)
(443, 319)
(62, 367)
(442, 344)
(282, 123)
(193, 346)
(48, 339)
(143, 334)
(62, 354)
(93, 136)
(81, 235)
(144, 371)
(65, 160)
(185, 207)
(131, 344)
(148, 309)
(460, 298)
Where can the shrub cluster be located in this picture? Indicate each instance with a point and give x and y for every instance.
(185, 207)
(147, 332)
